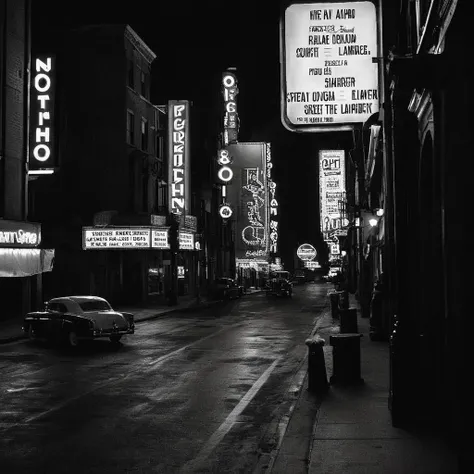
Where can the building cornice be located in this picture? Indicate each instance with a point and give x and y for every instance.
(139, 44)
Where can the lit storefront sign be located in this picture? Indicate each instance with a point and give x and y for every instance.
(159, 239)
(15, 234)
(133, 237)
(306, 252)
(41, 159)
(118, 238)
(249, 189)
(231, 117)
(186, 241)
(332, 189)
(178, 154)
(328, 74)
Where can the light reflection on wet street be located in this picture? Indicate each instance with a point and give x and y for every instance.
(189, 392)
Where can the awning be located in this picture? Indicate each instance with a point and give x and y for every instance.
(25, 262)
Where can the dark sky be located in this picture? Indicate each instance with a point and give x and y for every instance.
(194, 42)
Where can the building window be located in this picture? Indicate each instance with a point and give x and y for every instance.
(144, 132)
(160, 147)
(162, 190)
(143, 82)
(131, 75)
(130, 127)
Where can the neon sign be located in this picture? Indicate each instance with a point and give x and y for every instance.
(273, 203)
(178, 118)
(42, 107)
(231, 118)
(332, 188)
(225, 175)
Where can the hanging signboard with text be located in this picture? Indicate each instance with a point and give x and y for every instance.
(329, 70)
(332, 191)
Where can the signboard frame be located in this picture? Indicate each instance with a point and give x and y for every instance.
(375, 55)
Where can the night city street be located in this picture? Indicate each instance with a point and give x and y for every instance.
(201, 391)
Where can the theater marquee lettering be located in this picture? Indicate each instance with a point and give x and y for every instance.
(330, 74)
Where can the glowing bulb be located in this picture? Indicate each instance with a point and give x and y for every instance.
(379, 212)
(373, 222)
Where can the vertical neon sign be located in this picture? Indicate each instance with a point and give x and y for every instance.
(42, 114)
(273, 203)
(178, 153)
(231, 129)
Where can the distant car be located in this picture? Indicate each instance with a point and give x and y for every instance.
(72, 319)
(227, 288)
(299, 278)
(279, 285)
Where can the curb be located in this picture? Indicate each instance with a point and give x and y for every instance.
(188, 309)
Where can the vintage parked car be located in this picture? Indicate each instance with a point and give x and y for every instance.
(227, 288)
(72, 319)
(279, 285)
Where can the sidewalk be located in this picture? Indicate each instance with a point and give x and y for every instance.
(352, 431)
(11, 331)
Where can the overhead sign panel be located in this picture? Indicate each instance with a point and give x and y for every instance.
(329, 71)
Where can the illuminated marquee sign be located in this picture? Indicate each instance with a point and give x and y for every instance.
(328, 74)
(231, 117)
(119, 238)
(306, 252)
(159, 239)
(332, 189)
(249, 192)
(178, 157)
(42, 113)
(19, 234)
(273, 234)
(186, 241)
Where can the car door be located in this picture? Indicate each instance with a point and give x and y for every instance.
(56, 319)
(42, 321)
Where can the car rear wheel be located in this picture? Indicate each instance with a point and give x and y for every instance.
(115, 339)
(72, 339)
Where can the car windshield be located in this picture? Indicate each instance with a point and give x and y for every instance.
(94, 305)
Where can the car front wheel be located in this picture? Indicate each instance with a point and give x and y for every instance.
(115, 339)
(72, 339)
(31, 333)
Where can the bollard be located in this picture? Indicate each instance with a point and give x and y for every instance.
(346, 359)
(348, 320)
(343, 299)
(317, 377)
(334, 298)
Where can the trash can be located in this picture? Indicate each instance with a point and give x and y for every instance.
(317, 376)
(348, 320)
(346, 359)
(334, 298)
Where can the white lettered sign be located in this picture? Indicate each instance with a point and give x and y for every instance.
(121, 238)
(329, 76)
(159, 239)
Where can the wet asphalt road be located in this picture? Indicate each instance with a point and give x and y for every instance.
(190, 392)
